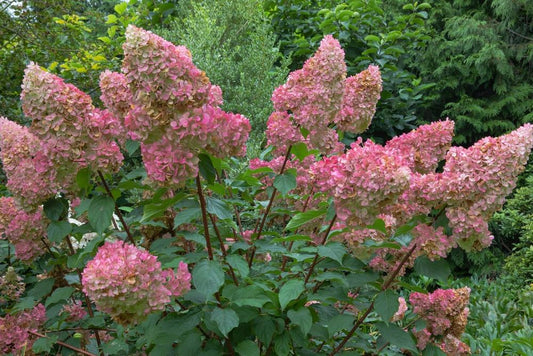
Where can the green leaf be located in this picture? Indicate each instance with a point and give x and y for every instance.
(372, 38)
(159, 208)
(239, 264)
(42, 288)
(44, 344)
(60, 294)
(187, 216)
(55, 208)
(433, 350)
(301, 151)
(282, 344)
(121, 8)
(190, 345)
(285, 182)
(265, 329)
(302, 218)
(58, 230)
(333, 250)
(208, 277)
(226, 320)
(247, 348)
(302, 318)
(397, 336)
(290, 291)
(207, 170)
(115, 346)
(100, 213)
(434, 269)
(378, 225)
(386, 304)
(218, 207)
(252, 296)
(83, 178)
(111, 19)
(132, 146)
(339, 323)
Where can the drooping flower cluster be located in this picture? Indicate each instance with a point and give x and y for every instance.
(128, 283)
(23, 229)
(23, 157)
(11, 286)
(169, 105)
(15, 330)
(445, 312)
(361, 94)
(475, 182)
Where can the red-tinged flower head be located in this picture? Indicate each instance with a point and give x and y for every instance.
(163, 81)
(116, 94)
(22, 157)
(24, 230)
(128, 283)
(15, 330)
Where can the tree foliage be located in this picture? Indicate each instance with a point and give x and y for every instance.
(480, 56)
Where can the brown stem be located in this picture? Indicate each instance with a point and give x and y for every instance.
(223, 249)
(83, 352)
(259, 229)
(117, 210)
(204, 217)
(385, 286)
(324, 239)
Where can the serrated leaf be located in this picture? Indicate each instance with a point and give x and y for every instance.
(218, 207)
(339, 323)
(59, 294)
(41, 288)
(301, 318)
(252, 296)
(302, 218)
(290, 291)
(187, 216)
(207, 277)
(100, 213)
(433, 350)
(282, 344)
(333, 250)
(397, 336)
(132, 146)
(58, 230)
(247, 348)
(239, 264)
(285, 183)
(434, 269)
(386, 304)
(44, 344)
(265, 329)
(378, 225)
(226, 320)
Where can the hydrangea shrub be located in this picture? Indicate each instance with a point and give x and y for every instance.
(188, 251)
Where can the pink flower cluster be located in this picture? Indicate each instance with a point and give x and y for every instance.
(73, 133)
(361, 94)
(168, 104)
(475, 182)
(23, 229)
(319, 95)
(128, 283)
(74, 311)
(14, 330)
(363, 181)
(445, 312)
(23, 157)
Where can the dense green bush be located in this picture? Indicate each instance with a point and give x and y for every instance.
(232, 41)
(480, 57)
